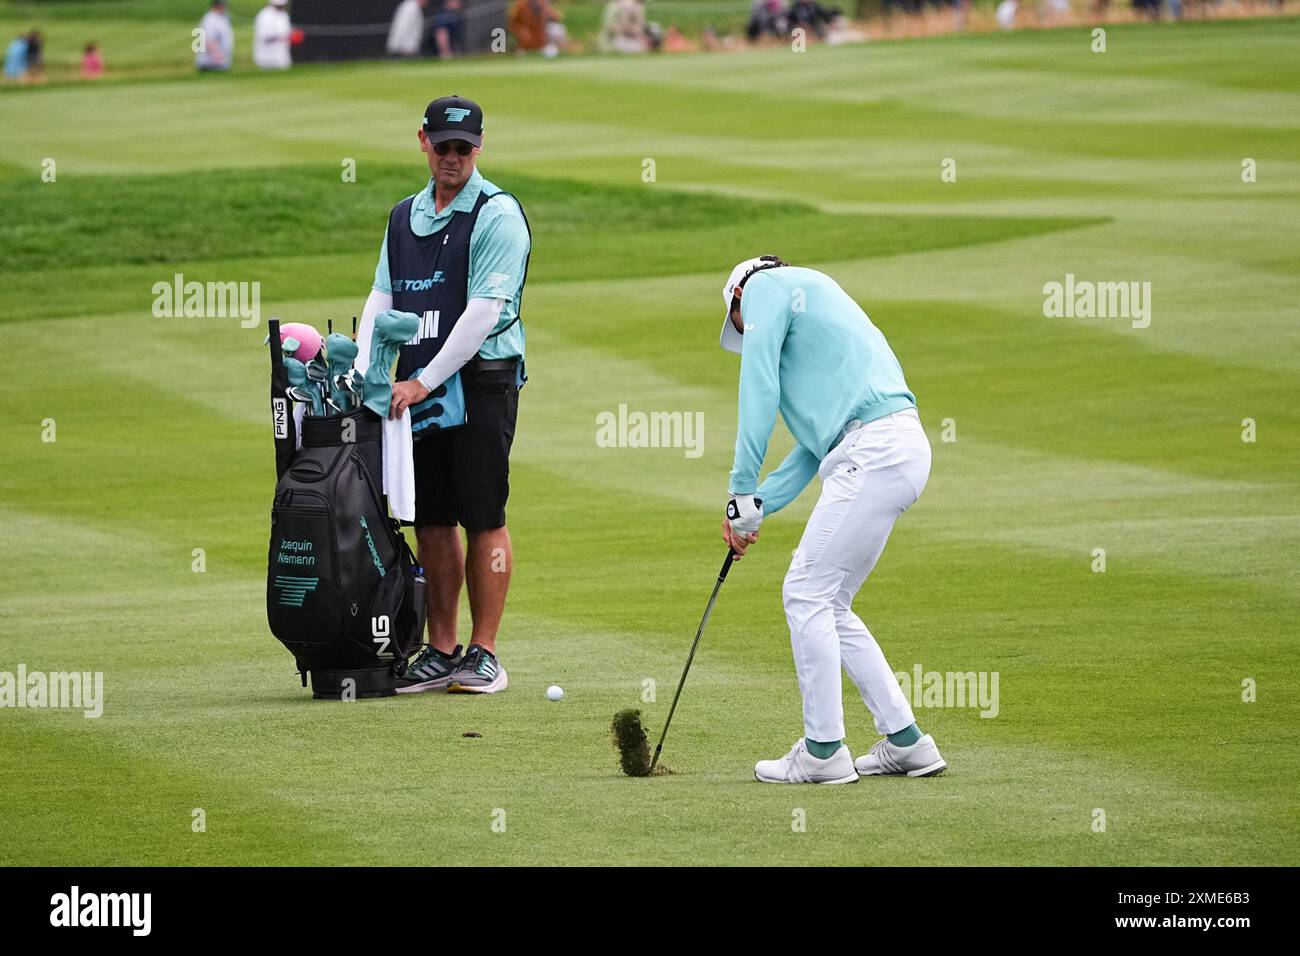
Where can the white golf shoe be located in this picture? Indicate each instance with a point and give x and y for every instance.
(922, 759)
(799, 766)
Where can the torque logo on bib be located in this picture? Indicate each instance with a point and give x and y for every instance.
(419, 285)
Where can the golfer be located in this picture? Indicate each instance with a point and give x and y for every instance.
(807, 350)
(456, 254)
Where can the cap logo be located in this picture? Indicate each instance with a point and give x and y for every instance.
(455, 114)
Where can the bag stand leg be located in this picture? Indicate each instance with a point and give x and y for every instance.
(360, 684)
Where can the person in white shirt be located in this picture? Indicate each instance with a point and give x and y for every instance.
(216, 40)
(406, 32)
(271, 30)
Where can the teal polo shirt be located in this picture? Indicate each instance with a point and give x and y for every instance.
(498, 253)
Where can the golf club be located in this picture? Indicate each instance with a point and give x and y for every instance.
(722, 576)
(318, 374)
(304, 394)
(349, 397)
(340, 352)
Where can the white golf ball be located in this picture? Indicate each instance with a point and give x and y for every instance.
(554, 692)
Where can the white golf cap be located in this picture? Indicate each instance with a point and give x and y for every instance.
(731, 339)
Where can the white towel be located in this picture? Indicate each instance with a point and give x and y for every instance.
(399, 467)
(399, 461)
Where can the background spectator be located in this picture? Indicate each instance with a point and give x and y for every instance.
(218, 46)
(406, 32)
(811, 16)
(447, 28)
(676, 42)
(271, 33)
(766, 18)
(16, 60)
(92, 64)
(625, 30)
(535, 25)
(35, 57)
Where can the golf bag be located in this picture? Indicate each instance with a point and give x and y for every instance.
(343, 592)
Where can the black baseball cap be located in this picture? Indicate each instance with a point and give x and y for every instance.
(454, 117)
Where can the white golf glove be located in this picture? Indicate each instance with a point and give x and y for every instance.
(745, 512)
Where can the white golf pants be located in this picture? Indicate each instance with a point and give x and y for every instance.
(868, 480)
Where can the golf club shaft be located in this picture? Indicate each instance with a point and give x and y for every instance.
(722, 576)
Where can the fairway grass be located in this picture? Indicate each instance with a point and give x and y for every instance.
(1120, 692)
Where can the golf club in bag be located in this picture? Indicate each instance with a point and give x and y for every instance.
(344, 593)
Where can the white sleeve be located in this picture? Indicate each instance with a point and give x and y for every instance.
(378, 302)
(467, 337)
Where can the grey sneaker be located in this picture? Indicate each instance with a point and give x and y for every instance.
(431, 670)
(479, 673)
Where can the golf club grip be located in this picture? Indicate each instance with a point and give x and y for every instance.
(726, 565)
(731, 553)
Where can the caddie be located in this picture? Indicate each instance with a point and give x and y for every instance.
(456, 255)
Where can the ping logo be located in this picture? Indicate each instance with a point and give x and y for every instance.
(280, 416)
(294, 590)
(455, 114)
(381, 628)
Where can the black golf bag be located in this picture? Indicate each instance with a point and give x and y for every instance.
(343, 591)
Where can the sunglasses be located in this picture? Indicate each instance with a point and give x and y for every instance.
(462, 148)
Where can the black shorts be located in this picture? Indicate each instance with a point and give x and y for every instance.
(462, 475)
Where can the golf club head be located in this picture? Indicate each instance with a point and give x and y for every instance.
(343, 391)
(352, 384)
(318, 374)
(301, 394)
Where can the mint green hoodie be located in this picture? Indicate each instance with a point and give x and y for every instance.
(810, 352)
